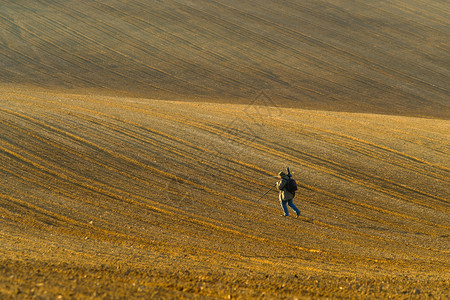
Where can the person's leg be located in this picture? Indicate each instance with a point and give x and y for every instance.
(292, 205)
(285, 209)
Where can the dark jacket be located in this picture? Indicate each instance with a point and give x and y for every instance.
(284, 194)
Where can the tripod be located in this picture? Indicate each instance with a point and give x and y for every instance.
(267, 192)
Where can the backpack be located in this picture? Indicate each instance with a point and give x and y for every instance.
(291, 186)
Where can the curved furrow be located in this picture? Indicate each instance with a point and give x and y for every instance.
(96, 187)
(135, 42)
(365, 181)
(314, 59)
(114, 193)
(390, 192)
(145, 138)
(349, 174)
(374, 150)
(44, 67)
(85, 64)
(328, 225)
(224, 207)
(217, 50)
(188, 46)
(283, 29)
(157, 176)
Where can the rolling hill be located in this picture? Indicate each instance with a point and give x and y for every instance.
(137, 137)
(382, 57)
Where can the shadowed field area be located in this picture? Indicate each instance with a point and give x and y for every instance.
(377, 56)
(137, 137)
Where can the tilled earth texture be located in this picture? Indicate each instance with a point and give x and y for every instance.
(137, 139)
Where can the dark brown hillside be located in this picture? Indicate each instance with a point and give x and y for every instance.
(378, 56)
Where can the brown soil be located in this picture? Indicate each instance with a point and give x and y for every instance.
(386, 57)
(107, 195)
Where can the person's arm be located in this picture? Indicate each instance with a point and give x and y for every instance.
(281, 184)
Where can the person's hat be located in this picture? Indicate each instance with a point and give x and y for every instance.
(281, 174)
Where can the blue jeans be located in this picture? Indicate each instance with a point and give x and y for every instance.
(284, 205)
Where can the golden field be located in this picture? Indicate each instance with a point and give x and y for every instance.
(136, 138)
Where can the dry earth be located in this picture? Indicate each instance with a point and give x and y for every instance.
(121, 196)
(109, 192)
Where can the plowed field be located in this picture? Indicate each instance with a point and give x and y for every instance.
(137, 138)
(147, 197)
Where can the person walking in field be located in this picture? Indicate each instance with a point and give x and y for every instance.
(287, 187)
